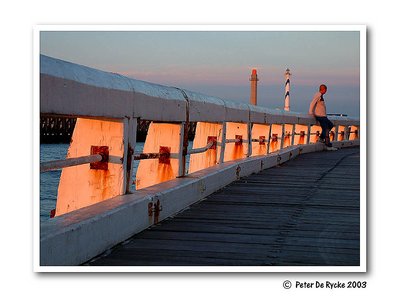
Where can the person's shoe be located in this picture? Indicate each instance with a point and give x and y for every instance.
(329, 146)
(321, 140)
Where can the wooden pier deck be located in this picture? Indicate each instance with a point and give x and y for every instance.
(304, 212)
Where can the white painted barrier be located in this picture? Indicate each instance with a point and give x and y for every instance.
(78, 236)
(74, 90)
(71, 89)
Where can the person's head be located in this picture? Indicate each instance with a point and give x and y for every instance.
(323, 89)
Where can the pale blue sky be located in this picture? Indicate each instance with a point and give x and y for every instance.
(219, 63)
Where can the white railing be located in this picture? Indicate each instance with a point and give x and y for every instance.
(74, 90)
(78, 91)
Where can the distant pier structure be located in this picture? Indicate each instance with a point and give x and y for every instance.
(56, 129)
(59, 129)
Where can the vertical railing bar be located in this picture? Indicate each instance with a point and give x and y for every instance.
(293, 134)
(269, 138)
(125, 140)
(223, 139)
(184, 138)
(346, 132)
(282, 136)
(308, 134)
(182, 155)
(336, 132)
(249, 142)
(133, 122)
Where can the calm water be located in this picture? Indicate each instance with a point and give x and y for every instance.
(49, 180)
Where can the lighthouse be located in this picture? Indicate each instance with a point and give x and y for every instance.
(287, 89)
(253, 87)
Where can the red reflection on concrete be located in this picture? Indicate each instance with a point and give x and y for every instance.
(165, 152)
(81, 186)
(302, 137)
(332, 136)
(212, 139)
(261, 150)
(354, 133)
(286, 141)
(261, 140)
(315, 132)
(165, 171)
(239, 139)
(204, 134)
(237, 151)
(274, 142)
(161, 138)
(300, 134)
(259, 131)
(276, 132)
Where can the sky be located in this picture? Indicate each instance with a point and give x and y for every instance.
(219, 63)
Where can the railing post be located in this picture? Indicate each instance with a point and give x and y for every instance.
(249, 140)
(130, 127)
(308, 133)
(183, 144)
(336, 133)
(223, 139)
(269, 138)
(282, 136)
(293, 134)
(346, 132)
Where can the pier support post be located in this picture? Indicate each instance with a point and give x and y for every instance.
(269, 139)
(308, 134)
(336, 132)
(223, 139)
(183, 143)
(130, 128)
(293, 134)
(283, 136)
(249, 140)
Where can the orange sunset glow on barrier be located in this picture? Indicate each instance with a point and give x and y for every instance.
(237, 146)
(161, 137)
(209, 158)
(259, 132)
(82, 186)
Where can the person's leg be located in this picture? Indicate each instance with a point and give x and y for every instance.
(324, 126)
(329, 126)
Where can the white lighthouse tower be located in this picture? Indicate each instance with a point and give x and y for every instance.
(287, 90)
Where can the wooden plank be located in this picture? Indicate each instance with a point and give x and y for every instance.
(242, 238)
(269, 218)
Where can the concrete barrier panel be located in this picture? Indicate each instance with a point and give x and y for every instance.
(161, 138)
(209, 158)
(82, 185)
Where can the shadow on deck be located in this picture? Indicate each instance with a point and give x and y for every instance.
(304, 212)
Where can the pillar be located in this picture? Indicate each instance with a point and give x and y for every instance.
(287, 90)
(253, 87)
